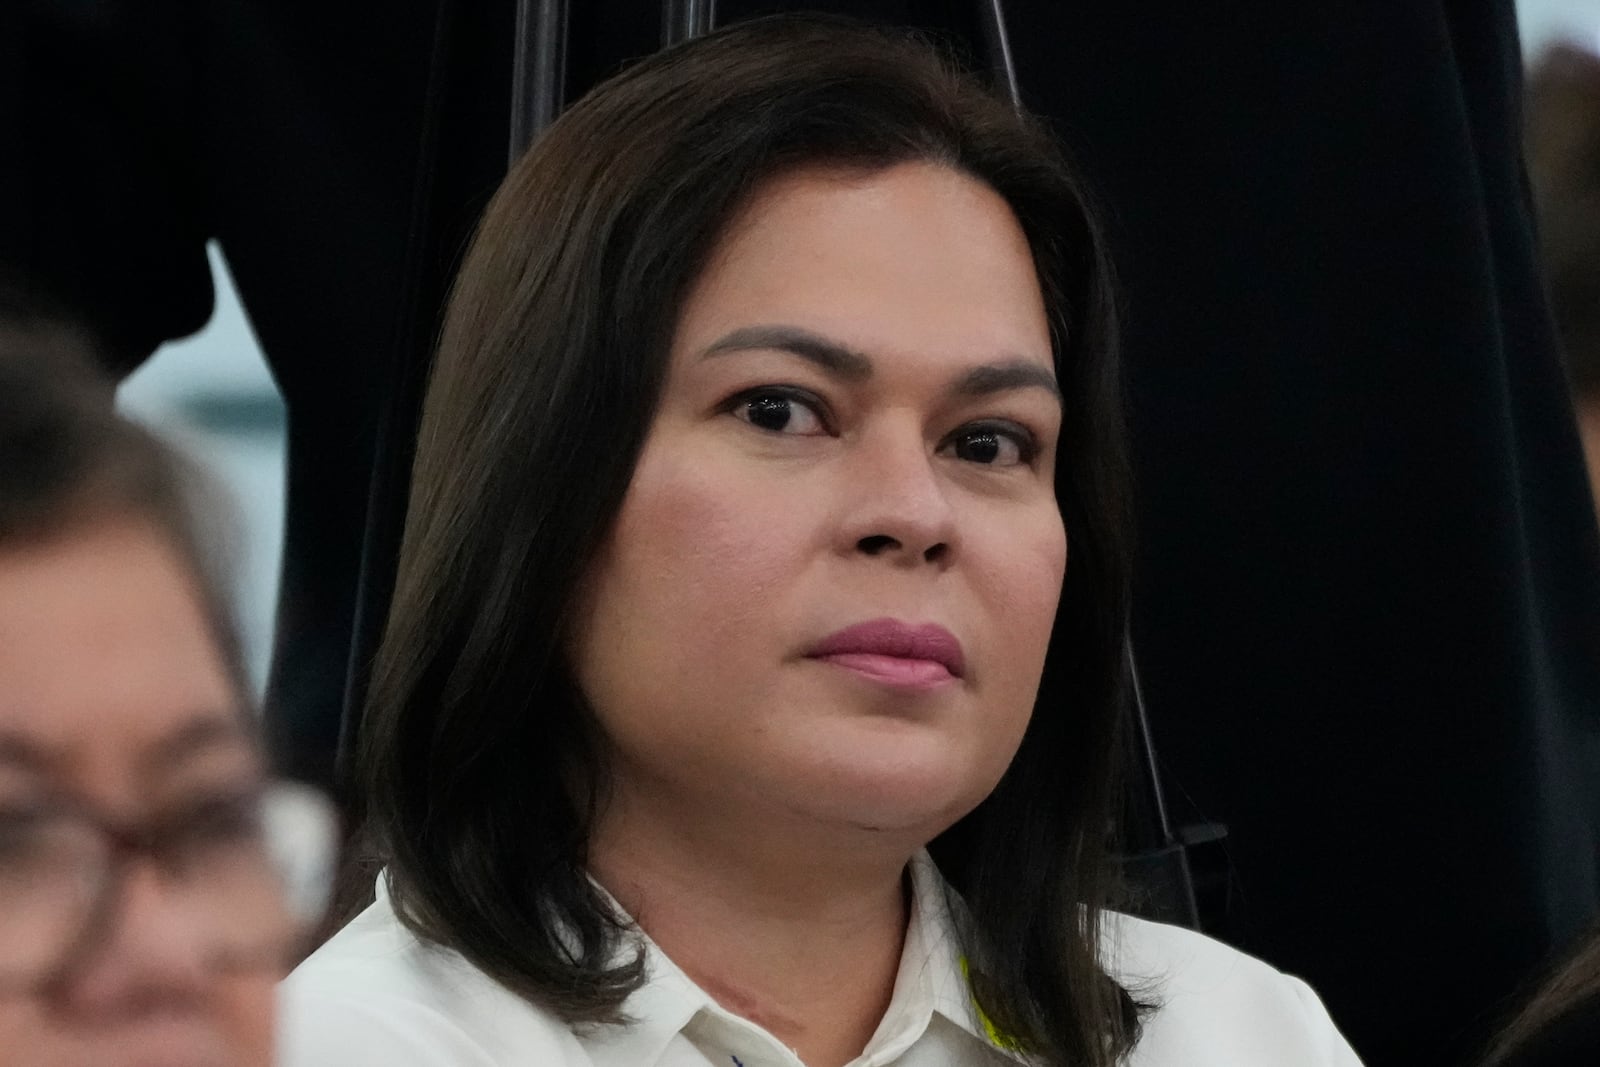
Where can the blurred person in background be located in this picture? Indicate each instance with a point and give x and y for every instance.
(153, 881)
(1560, 1023)
(1563, 151)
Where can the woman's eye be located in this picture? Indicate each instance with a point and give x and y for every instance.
(20, 834)
(225, 818)
(212, 833)
(992, 446)
(42, 848)
(780, 413)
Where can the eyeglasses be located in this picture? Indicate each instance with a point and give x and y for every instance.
(250, 871)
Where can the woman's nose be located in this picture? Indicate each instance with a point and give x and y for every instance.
(900, 508)
(150, 956)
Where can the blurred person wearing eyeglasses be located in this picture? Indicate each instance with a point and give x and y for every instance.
(153, 881)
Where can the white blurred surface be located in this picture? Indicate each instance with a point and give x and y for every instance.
(1544, 22)
(212, 395)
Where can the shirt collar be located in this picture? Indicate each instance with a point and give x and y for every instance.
(931, 981)
(933, 947)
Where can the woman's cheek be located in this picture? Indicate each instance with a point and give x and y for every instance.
(715, 544)
(247, 1011)
(14, 1031)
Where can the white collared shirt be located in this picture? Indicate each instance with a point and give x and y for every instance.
(374, 996)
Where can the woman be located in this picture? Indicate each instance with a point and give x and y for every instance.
(739, 703)
(152, 882)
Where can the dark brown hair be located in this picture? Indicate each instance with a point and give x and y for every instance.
(552, 357)
(68, 460)
(1573, 985)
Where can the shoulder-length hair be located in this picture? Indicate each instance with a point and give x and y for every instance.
(550, 363)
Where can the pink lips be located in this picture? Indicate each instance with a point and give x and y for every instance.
(895, 653)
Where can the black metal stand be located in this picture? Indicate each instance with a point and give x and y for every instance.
(683, 20)
(538, 70)
(1156, 864)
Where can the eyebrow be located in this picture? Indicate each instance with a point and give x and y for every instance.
(851, 365)
(202, 733)
(830, 355)
(999, 377)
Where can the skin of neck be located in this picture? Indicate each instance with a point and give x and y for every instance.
(797, 929)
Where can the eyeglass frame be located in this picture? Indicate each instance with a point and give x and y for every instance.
(303, 869)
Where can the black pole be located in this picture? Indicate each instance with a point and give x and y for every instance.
(992, 17)
(1157, 859)
(1150, 771)
(538, 70)
(401, 380)
(684, 20)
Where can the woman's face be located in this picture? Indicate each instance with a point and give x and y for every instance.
(827, 597)
(114, 700)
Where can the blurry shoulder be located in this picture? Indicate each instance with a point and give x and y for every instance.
(376, 995)
(1214, 1006)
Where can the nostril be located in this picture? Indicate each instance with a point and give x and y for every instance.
(876, 543)
(936, 553)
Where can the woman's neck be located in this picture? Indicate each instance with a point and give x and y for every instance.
(806, 947)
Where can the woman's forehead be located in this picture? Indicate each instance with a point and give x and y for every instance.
(916, 256)
(106, 656)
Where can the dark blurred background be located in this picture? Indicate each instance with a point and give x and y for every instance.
(1369, 598)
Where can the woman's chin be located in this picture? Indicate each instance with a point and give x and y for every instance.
(916, 791)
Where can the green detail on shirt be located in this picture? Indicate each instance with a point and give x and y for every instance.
(1000, 1039)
